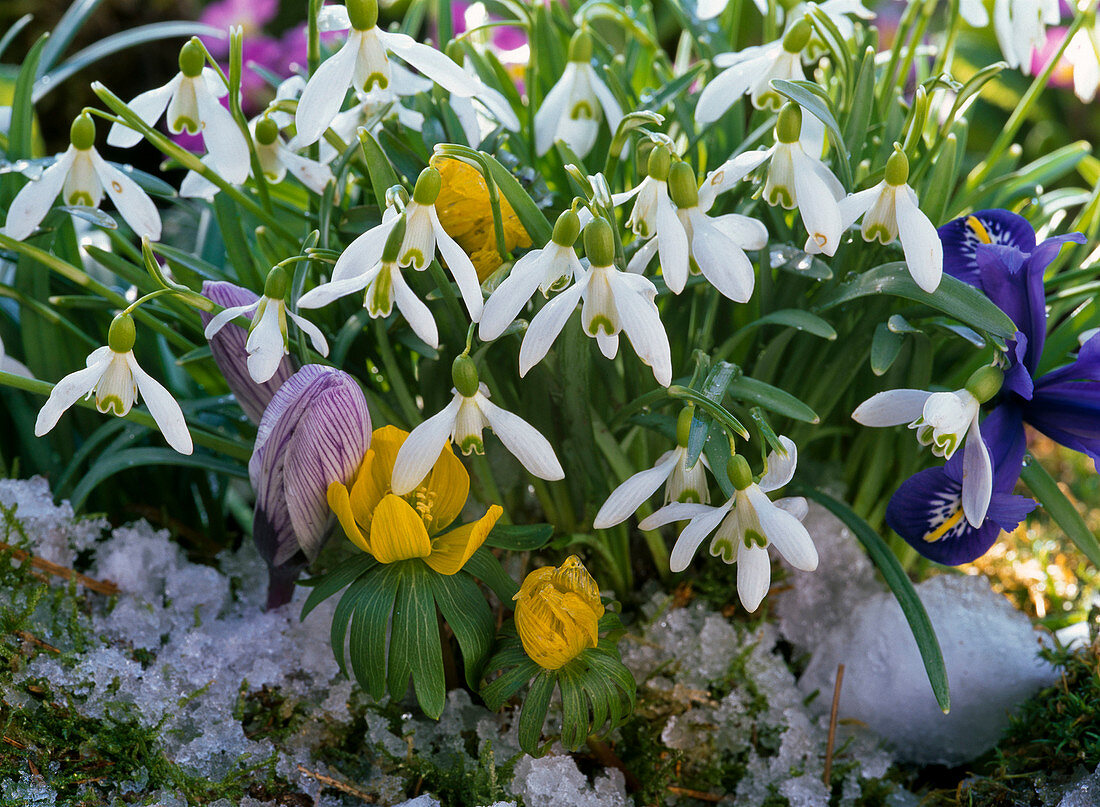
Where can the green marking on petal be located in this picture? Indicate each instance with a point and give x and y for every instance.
(110, 403)
(81, 199)
(186, 124)
(723, 548)
(472, 444)
(753, 537)
(376, 78)
(601, 322)
(582, 109)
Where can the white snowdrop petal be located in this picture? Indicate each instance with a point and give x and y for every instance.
(780, 468)
(314, 175)
(672, 245)
(132, 202)
(460, 266)
(784, 531)
(816, 204)
(546, 325)
(223, 138)
(364, 253)
(891, 408)
(919, 241)
(148, 106)
(432, 63)
(413, 309)
(977, 481)
(71, 389)
(325, 91)
(754, 575)
(522, 439)
(35, 199)
(549, 115)
(422, 448)
(224, 317)
(509, 298)
(163, 407)
(693, 534)
(312, 331)
(633, 492)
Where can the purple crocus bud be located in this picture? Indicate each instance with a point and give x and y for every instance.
(315, 431)
(227, 345)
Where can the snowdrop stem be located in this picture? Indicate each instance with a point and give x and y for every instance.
(475, 159)
(221, 445)
(946, 55)
(393, 375)
(236, 59)
(1023, 109)
(912, 11)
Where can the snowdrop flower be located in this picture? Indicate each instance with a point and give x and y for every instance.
(746, 525)
(716, 246)
(943, 420)
(973, 11)
(461, 422)
(363, 62)
(751, 71)
(571, 111)
(370, 262)
(682, 484)
(191, 99)
(1020, 26)
(81, 176)
(267, 341)
(1083, 52)
(424, 233)
(276, 159)
(546, 269)
(613, 301)
(480, 113)
(112, 374)
(890, 211)
(655, 218)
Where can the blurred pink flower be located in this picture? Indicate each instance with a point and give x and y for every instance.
(251, 15)
(1040, 58)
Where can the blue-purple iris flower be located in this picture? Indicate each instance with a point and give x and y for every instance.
(996, 252)
(315, 431)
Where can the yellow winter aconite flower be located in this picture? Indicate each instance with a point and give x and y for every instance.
(557, 613)
(394, 528)
(465, 213)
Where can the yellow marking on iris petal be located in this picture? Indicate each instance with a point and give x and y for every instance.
(979, 229)
(942, 530)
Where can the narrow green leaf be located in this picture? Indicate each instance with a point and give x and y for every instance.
(382, 175)
(899, 583)
(953, 297)
(64, 32)
(1061, 509)
(520, 537)
(508, 683)
(885, 347)
(798, 319)
(714, 388)
(532, 218)
(811, 97)
(111, 464)
(416, 625)
(533, 715)
(373, 604)
(575, 720)
(863, 102)
(324, 586)
(772, 398)
(464, 608)
(485, 567)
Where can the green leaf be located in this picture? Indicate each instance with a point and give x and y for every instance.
(111, 464)
(20, 130)
(810, 96)
(798, 319)
(324, 586)
(937, 191)
(64, 32)
(532, 218)
(372, 605)
(464, 608)
(714, 388)
(1061, 509)
(533, 715)
(953, 297)
(899, 583)
(485, 567)
(382, 175)
(520, 537)
(508, 683)
(863, 102)
(885, 347)
(575, 719)
(772, 398)
(13, 31)
(415, 634)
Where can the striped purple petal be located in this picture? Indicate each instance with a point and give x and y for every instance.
(227, 346)
(315, 432)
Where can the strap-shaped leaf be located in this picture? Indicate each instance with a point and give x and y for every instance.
(416, 633)
(811, 97)
(382, 175)
(798, 319)
(485, 567)
(772, 398)
(324, 586)
(899, 583)
(371, 611)
(520, 537)
(575, 720)
(885, 347)
(714, 388)
(1061, 509)
(533, 715)
(508, 683)
(464, 608)
(953, 297)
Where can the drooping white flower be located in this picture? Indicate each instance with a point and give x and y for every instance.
(746, 525)
(424, 233)
(481, 113)
(191, 100)
(81, 176)
(682, 484)
(268, 341)
(364, 62)
(613, 301)
(461, 422)
(547, 269)
(370, 262)
(654, 217)
(276, 160)
(974, 12)
(572, 110)
(944, 421)
(1021, 28)
(751, 71)
(890, 211)
(716, 246)
(1083, 52)
(112, 374)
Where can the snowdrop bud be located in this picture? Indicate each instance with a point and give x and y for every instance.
(363, 14)
(428, 185)
(797, 36)
(985, 382)
(82, 132)
(122, 334)
(683, 425)
(464, 376)
(897, 168)
(277, 283)
(599, 243)
(566, 229)
(192, 58)
(580, 47)
(266, 131)
(392, 247)
(660, 159)
(789, 125)
(739, 472)
(682, 186)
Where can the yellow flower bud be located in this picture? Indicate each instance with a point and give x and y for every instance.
(557, 613)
